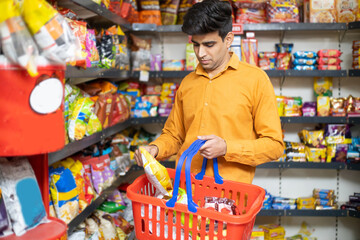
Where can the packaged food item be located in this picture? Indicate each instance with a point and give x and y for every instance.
(107, 51)
(306, 201)
(80, 118)
(169, 10)
(356, 45)
(313, 138)
(284, 47)
(324, 202)
(150, 12)
(346, 10)
(250, 15)
(64, 193)
(140, 53)
(304, 67)
(280, 105)
(191, 60)
(295, 152)
(173, 65)
(80, 31)
(329, 53)
(282, 11)
(122, 53)
(155, 62)
(323, 106)
(156, 173)
(322, 11)
(329, 67)
(267, 60)
(129, 11)
(273, 230)
(92, 228)
(283, 200)
(92, 58)
(323, 193)
(16, 41)
(305, 54)
(107, 226)
(184, 6)
(337, 107)
(108, 174)
(283, 61)
(323, 86)
(341, 152)
(50, 31)
(315, 154)
(309, 109)
(292, 106)
(304, 61)
(329, 61)
(249, 50)
(21, 195)
(223, 205)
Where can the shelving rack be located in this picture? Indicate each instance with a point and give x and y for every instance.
(80, 75)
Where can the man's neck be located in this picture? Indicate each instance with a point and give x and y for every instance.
(220, 68)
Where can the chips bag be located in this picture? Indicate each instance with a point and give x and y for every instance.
(156, 173)
(17, 43)
(80, 118)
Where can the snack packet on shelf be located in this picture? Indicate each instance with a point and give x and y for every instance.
(21, 195)
(50, 31)
(17, 43)
(156, 173)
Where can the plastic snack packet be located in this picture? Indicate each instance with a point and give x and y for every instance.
(156, 173)
(17, 43)
(21, 195)
(50, 31)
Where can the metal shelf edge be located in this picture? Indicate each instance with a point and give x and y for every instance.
(77, 146)
(312, 165)
(103, 12)
(354, 72)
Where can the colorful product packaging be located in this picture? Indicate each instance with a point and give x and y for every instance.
(273, 231)
(282, 11)
(249, 49)
(309, 109)
(190, 58)
(323, 86)
(323, 106)
(346, 10)
(293, 106)
(322, 11)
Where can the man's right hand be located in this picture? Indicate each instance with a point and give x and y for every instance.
(152, 149)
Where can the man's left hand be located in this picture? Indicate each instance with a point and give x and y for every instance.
(214, 147)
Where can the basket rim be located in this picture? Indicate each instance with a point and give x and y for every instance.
(238, 219)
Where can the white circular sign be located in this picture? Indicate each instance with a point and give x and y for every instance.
(47, 96)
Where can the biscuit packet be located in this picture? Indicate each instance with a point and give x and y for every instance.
(346, 10)
(323, 106)
(323, 86)
(156, 173)
(322, 11)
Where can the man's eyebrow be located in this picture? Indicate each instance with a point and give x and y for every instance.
(209, 42)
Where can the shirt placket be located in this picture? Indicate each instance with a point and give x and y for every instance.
(206, 108)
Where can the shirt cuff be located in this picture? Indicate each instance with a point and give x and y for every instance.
(160, 147)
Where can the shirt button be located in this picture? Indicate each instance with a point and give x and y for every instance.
(210, 81)
(206, 104)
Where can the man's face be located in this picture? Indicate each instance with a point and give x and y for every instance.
(211, 50)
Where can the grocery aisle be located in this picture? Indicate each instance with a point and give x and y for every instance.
(76, 105)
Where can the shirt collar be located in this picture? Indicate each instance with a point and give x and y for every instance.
(233, 63)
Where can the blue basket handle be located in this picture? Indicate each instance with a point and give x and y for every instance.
(172, 201)
(188, 154)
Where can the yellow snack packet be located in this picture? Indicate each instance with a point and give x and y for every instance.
(156, 173)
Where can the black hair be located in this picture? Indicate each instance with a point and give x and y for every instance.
(208, 16)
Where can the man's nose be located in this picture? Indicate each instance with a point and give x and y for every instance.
(202, 51)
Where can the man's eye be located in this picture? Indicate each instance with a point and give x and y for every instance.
(209, 45)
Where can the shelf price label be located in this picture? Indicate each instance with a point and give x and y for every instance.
(237, 29)
(144, 76)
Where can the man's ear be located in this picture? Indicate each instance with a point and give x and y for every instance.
(229, 39)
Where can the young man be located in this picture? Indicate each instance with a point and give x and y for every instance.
(229, 103)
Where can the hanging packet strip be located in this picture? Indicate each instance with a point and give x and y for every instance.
(21, 195)
(50, 31)
(17, 43)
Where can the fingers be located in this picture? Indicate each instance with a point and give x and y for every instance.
(138, 159)
(206, 137)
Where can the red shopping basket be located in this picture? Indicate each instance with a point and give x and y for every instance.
(153, 220)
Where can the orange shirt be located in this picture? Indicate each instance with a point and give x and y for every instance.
(238, 105)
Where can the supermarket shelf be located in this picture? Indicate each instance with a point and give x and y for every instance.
(353, 166)
(317, 213)
(103, 12)
(275, 73)
(313, 119)
(295, 27)
(149, 120)
(354, 72)
(304, 213)
(271, 212)
(314, 165)
(97, 202)
(354, 120)
(315, 73)
(163, 74)
(354, 25)
(355, 214)
(77, 146)
(254, 27)
(75, 72)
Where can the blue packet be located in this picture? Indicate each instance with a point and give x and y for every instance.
(304, 67)
(305, 54)
(304, 61)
